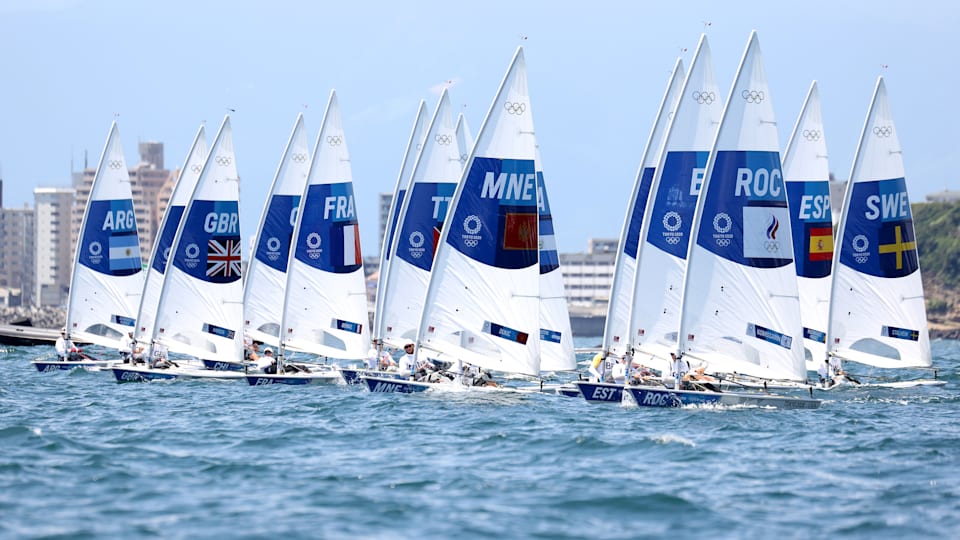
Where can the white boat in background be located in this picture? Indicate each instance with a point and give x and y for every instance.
(877, 310)
(806, 174)
(324, 310)
(740, 312)
(433, 180)
(617, 338)
(156, 270)
(483, 301)
(107, 281)
(267, 270)
(414, 145)
(556, 335)
(667, 224)
(200, 310)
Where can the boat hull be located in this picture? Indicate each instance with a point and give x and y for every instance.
(382, 385)
(662, 397)
(220, 365)
(295, 379)
(58, 365)
(595, 392)
(145, 374)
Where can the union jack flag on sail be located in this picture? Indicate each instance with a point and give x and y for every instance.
(223, 257)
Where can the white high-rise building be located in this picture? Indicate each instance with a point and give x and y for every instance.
(52, 249)
(17, 228)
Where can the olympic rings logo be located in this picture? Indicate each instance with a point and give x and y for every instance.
(443, 140)
(334, 140)
(811, 134)
(860, 245)
(672, 221)
(752, 96)
(313, 240)
(223, 161)
(416, 239)
(883, 131)
(722, 223)
(299, 157)
(704, 98)
(196, 167)
(472, 224)
(273, 244)
(95, 249)
(192, 251)
(772, 246)
(115, 164)
(463, 158)
(515, 108)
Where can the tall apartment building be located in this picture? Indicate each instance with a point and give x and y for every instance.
(151, 185)
(587, 277)
(17, 230)
(52, 245)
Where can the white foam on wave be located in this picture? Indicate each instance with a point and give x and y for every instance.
(36, 431)
(670, 438)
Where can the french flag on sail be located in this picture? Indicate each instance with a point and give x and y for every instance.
(351, 244)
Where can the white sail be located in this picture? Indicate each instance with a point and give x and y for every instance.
(325, 304)
(556, 336)
(106, 282)
(267, 270)
(483, 302)
(674, 189)
(432, 182)
(877, 311)
(740, 311)
(414, 145)
(806, 172)
(186, 181)
(464, 138)
(616, 331)
(200, 311)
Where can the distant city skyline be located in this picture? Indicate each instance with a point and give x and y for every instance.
(596, 74)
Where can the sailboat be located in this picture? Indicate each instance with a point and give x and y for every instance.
(556, 335)
(877, 311)
(806, 174)
(483, 301)
(616, 332)
(267, 271)
(106, 281)
(156, 270)
(414, 145)
(324, 310)
(739, 309)
(199, 312)
(433, 181)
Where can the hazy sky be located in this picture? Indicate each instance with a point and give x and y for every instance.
(596, 72)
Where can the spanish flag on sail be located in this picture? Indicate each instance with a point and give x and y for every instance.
(821, 243)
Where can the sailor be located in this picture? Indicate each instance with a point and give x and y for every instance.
(408, 362)
(126, 347)
(823, 372)
(678, 368)
(619, 372)
(267, 362)
(66, 350)
(596, 368)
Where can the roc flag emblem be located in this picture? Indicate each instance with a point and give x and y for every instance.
(821, 243)
(520, 231)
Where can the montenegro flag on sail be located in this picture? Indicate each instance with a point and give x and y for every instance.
(821, 243)
(520, 231)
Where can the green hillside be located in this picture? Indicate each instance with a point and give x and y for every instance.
(938, 243)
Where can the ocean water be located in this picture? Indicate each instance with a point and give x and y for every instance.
(84, 457)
